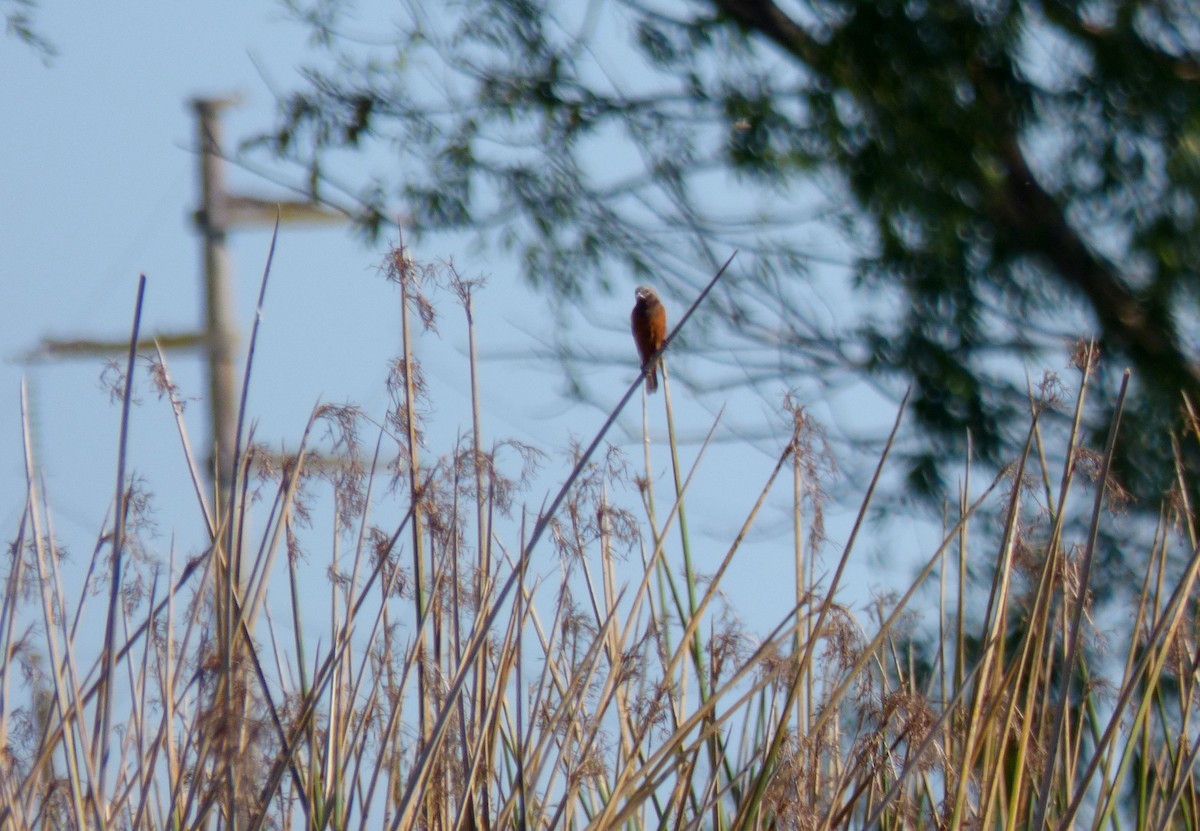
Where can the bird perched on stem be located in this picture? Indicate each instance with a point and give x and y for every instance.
(649, 321)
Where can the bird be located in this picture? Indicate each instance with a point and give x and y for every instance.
(649, 321)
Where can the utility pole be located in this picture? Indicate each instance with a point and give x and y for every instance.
(213, 222)
(219, 212)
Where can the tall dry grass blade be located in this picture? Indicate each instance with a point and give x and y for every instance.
(949, 710)
(403, 269)
(684, 539)
(483, 564)
(1144, 617)
(162, 744)
(76, 749)
(484, 752)
(306, 710)
(39, 776)
(103, 733)
(165, 385)
(887, 624)
(255, 582)
(811, 458)
(1147, 671)
(1022, 684)
(243, 401)
(689, 613)
(73, 709)
(691, 629)
(635, 785)
(1182, 769)
(748, 808)
(9, 610)
(1084, 581)
(988, 692)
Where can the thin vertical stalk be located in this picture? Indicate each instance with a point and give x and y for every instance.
(104, 726)
(477, 801)
(405, 275)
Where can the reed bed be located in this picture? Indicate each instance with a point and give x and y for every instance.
(429, 671)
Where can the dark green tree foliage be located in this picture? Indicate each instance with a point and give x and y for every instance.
(18, 21)
(1006, 176)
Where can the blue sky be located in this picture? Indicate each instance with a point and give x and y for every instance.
(99, 185)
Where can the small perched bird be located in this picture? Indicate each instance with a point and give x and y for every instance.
(649, 321)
